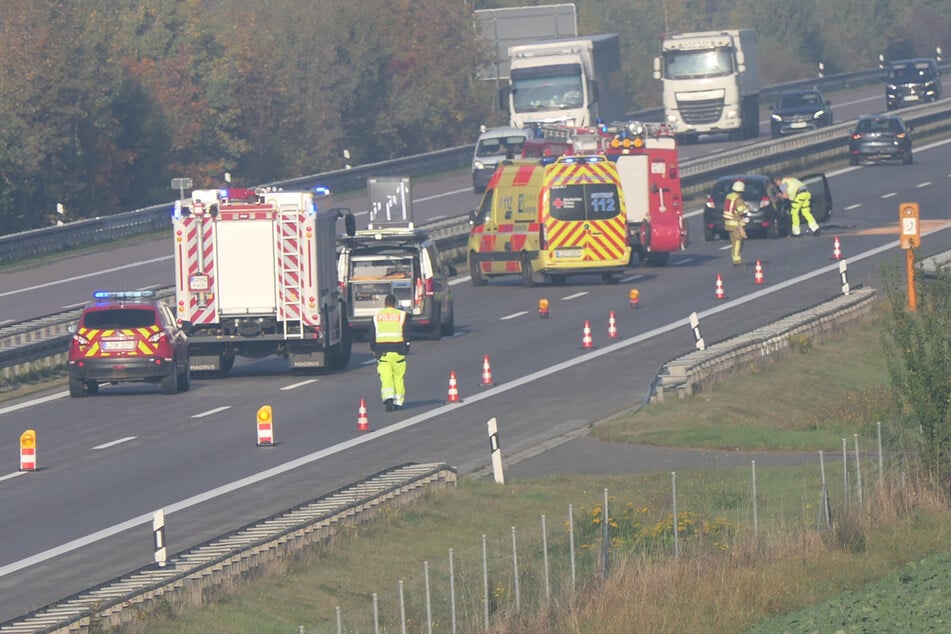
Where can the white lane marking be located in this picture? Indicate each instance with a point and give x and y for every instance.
(514, 315)
(423, 417)
(369, 362)
(85, 275)
(726, 248)
(106, 445)
(575, 295)
(211, 411)
(32, 402)
(891, 195)
(924, 184)
(76, 305)
(431, 218)
(294, 386)
(12, 475)
(683, 261)
(851, 207)
(631, 278)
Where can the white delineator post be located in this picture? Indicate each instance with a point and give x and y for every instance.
(496, 450)
(695, 324)
(158, 537)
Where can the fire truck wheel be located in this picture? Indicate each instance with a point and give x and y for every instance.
(226, 362)
(528, 272)
(77, 389)
(475, 271)
(92, 387)
(658, 259)
(169, 384)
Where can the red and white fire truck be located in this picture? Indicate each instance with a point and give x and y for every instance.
(646, 157)
(256, 275)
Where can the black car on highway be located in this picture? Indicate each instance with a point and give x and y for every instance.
(909, 82)
(883, 137)
(769, 214)
(799, 111)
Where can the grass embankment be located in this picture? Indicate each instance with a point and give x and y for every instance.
(728, 578)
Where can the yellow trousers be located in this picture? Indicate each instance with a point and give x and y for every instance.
(391, 366)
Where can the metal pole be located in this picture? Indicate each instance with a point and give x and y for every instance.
(485, 583)
(858, 468)
(755, 512)
(518, 593)
(571, 543)
(339, 620)
(402, 609)
(845, 471)
(881, 464)
(545, 553)
(673, 487)
(452, 591)
(429, 605)
(376, 614)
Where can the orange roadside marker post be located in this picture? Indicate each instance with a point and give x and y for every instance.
(265, 419)
(28, 450)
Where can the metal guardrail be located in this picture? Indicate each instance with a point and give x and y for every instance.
(49, 240)
(118, 603)
(451, 233)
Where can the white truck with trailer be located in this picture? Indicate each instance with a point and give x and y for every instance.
(256, 275)
(574, 81)
(711, 83)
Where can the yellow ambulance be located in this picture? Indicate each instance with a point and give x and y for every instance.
(550, 218)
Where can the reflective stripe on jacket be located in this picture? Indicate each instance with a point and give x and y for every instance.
(733, 209)
(389, 331)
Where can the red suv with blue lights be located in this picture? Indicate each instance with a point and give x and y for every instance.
(127, 336)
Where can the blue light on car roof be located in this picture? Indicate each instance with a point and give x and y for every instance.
(123, 294)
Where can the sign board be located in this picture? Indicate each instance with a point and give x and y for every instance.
(501, 28)
(910, 227)
(181, 183)
(391, 202)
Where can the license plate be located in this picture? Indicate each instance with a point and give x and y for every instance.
(198, 282)
(911, 97)
(119, 346)
(567, 253)
(798, 124)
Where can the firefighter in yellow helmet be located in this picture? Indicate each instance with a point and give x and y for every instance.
(795, 190)
(389, 341)
(735, 212)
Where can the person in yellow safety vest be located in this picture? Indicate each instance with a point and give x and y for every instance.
(389, 341)
(735, 212)
(796, 191)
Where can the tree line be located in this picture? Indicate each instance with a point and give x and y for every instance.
(103, 102)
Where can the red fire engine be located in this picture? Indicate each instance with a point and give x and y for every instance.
(646, 157)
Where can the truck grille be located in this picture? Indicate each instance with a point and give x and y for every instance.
(700, 112)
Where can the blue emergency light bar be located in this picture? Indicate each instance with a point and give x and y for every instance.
(320, 190)
(581, 159)
(123, 294)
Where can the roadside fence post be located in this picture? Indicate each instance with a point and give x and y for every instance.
(858, 469)
(545, 554)
(673, 488)
(755, 510)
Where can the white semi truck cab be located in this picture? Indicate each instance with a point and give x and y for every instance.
(572, 81)
(711, 83)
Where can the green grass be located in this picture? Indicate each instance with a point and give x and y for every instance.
(726, 580)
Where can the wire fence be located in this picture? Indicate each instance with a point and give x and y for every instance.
(531, 569)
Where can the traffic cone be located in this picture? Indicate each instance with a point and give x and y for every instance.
(634, 298)
(586, 341)
(453, 388)
(363, 423)
(758, 275)
(720, 293)
(612, 326)
(836, 249)
(486, 372)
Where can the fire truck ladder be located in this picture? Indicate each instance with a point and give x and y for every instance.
(289, 269)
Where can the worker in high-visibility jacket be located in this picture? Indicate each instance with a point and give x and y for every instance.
(735, 212)
(796, 191)
(389, 341)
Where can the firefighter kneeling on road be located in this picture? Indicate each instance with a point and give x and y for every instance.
(735, 212)
(389, 341)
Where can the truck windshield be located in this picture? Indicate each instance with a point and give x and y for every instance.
(693, 64)
(547, 88)
(584, 202)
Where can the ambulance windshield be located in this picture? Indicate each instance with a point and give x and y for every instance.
(597, 201)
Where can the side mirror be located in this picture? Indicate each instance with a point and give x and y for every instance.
(350, 224)
(187, 327)
(72, 328)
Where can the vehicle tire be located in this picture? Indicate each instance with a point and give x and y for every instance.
(853, 160)
(528, 273)
(226, 362)
(185, 379)
(77, 389)
(908, 159)
(709, 235)
(338, 358)
(169, 385)
(92, 387)
(435, 333)
(475, 271)
(559, 279)
(658, 259)
(449, 328)
(773, 232)
(609, 278)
